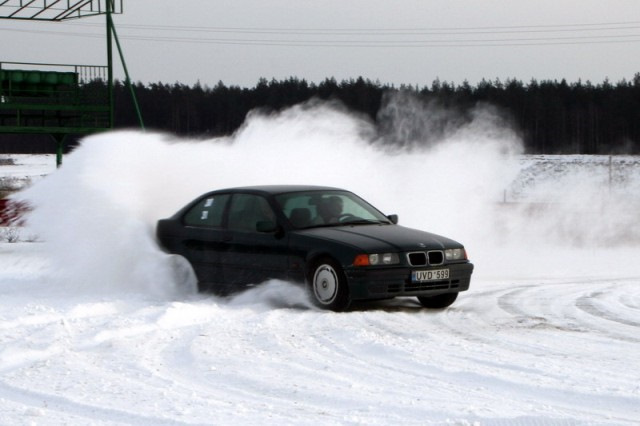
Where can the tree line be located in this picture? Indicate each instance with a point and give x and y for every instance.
(553, 117)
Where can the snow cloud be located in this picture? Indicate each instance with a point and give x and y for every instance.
(440, 172)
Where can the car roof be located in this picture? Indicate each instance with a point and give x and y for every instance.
(279, 189)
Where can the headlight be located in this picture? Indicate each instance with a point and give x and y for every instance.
(376, 259)
(455, 254)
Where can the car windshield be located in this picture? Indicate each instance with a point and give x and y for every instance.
(311, 209)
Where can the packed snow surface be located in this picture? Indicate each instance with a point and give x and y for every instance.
(97, 326)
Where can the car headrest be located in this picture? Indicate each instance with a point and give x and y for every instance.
(300, 217)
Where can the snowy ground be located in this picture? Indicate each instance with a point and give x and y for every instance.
(518, 351)
(94, 331)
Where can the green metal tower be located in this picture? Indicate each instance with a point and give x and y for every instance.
(59, 99)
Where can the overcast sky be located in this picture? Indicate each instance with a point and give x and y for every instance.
(393, 41)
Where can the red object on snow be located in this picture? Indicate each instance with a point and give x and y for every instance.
(12, 212)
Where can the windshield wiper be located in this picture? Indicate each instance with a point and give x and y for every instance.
(351, 222)
(364, 222)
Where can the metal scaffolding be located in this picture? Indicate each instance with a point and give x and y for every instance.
(60, 99)
(57, 10)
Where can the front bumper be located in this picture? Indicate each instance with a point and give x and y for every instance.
(379, 283)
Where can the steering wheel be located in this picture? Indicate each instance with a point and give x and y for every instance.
(345, 216)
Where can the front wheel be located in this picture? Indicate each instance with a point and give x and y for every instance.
(328, 286)
(438, 302)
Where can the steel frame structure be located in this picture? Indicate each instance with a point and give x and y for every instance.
(60, 99)
(57, 10)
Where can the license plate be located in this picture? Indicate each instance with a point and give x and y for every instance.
(433, 275)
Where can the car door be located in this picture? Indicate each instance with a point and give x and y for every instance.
(203, 240)
(253, 257)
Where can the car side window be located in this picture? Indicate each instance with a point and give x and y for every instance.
(247, 210)
(208, 212)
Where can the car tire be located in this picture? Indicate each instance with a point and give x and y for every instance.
(440, 301)
(328, 285)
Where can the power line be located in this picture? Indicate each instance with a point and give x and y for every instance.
(362, 40)
(605, 26)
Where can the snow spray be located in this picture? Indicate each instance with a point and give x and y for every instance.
(97, 213)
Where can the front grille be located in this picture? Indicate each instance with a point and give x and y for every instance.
(417, 259)
(394, 288)
(420, 258)
(436, 257)
(411, 287)
(432, 285)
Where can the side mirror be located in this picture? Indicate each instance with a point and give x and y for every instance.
(266, 226)
(393, 218)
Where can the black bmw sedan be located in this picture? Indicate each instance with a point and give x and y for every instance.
(342, 247)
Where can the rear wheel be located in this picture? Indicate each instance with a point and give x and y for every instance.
(328, 285)
(438, 302)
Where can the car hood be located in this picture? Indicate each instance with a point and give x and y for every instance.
(377, 238)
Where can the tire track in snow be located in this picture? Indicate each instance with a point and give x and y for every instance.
(523, 323)
(593, 304)
(53, 407)
(289, 362)
(75, 371)
(488, 358)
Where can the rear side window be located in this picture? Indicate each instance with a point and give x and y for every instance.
(247, 210)
(208, 212)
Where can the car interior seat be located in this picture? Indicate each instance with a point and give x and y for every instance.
(300, 217)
